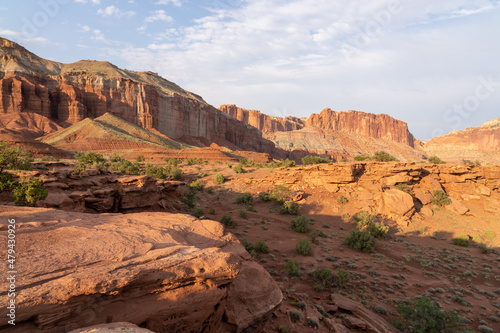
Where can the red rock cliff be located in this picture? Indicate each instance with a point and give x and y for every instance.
(379, 126)
(69, 93)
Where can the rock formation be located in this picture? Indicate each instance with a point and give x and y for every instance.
(162, 272)
(69, 93)
(474, 143)
(331, 133)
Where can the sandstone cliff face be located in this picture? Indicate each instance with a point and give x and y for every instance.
(163, 272)
(474, 143)
(266, 124)
(331, 133)
(73, 92)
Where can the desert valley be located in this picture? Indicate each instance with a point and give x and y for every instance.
(136, 206)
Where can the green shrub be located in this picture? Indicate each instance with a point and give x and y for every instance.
(484, 329)
(307, 160)
(49, 159)
(115, 158)
(279, 194)
(191, 161)
(303, 247)
(211, 211)
(29, 191)
(228, 221)
(219, 179)
(198, 212)
(139, 159)
(197, 185)
(300, 224)
(189, 198)
(363, 218)
(292, 268)
(247, 245)
(156, 171)
(404, 188)
(361, 240)
(361, 158)
(79, 168)
(382, 310)
(323, 277)
(174, 173)
(378, 230)
(295, 315)
(261, 247)
(342, 200)
(125, 167)
(89, 158)
(382, 156)
(440, 198)
(342, 278)
(435, 160)
(461, 240)
(289, 207)
(245, 162)
(425, 316)
(238, 168)
(173, 161)
(6, 181)
(469, 162)
(251, 209)
(243, 214)
(245, 198)
(14, 158)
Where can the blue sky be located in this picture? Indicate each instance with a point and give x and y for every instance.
(433, 64)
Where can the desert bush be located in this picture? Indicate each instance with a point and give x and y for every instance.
(228, 221)
(139, 159)
(361, 158)
(219, 179)
(435, 160)
(49, 159)
(342, 278)
(245, 198)
(196, 185)
(189, 198)
(125, 167)
(382, 156)
(292, 268)
(361, 240)
(461, 240)
(174, 173)
(261, 247)
(469, 162)
(378, 230)
(156, 171)
(303, 247)
(191, 161)
(243, 214)
(279, 194)
(425, 316)
(295, 315)
(342, 200)
(440, 198)
(363, 218)
(89, 158)
(115, 158)
(79, 169)
(198, 212)
(484, 329)
(238, 168)
(28, 191)
(323, 277)
(307, 160)
(404, 188)
(6, 181)
(245, 162)
(289, 207)
(173, 161)
(382, 310)
(14, 158)
(300, 224)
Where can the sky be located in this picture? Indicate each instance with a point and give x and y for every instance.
(433, 64)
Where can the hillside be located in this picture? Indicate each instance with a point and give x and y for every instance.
(474, 143)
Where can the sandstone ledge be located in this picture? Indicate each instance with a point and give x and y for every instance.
(164, 272)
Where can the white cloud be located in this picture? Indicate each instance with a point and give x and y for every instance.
(114, 11)
(83, 28)
(95, 2)
(176, 3)
(158, 15)
(20, 38)
(411, 61)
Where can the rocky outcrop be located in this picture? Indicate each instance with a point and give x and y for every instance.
(266, 124)
(474, 143)
(112, 328)
(396, 190)
(162, 272)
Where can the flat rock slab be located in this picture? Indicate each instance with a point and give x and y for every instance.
(165, 272)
